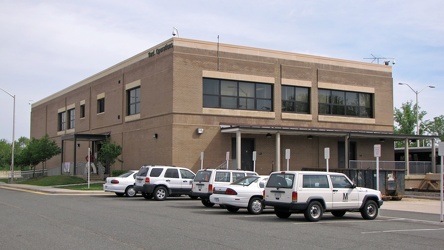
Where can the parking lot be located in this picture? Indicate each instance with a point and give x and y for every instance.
(105, 221)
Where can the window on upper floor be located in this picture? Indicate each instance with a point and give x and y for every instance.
(61, 126)
(82, 111)
(100, 105)
(229, 94)
(346, 103)
(295, 99)
(72, 118)
(133, 101)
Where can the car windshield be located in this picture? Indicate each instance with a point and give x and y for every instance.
(126, 174)
(203, 176)
(246, 181)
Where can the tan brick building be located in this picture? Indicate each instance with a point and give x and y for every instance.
(182, 97)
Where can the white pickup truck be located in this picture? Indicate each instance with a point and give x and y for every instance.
(314, 193)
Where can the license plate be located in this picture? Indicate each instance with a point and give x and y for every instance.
(277, 195)
(216, 199)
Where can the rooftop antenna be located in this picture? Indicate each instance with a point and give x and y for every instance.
(387, 60)
(175, 32)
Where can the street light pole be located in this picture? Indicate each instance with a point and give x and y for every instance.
(416, 108)
(13, 135)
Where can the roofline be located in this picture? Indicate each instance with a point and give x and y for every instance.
(229, 48)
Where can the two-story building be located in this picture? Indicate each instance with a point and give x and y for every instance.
(194, 103)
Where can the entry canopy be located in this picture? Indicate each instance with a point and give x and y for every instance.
(246, 129)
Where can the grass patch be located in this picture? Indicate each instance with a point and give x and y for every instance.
(54, 180)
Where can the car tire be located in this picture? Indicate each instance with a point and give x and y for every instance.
(206, 202)
(120, 194)
(147, 196)
(255, 206)
(314, 211)
(370, 210)
(130, 191)
(282, 214)
(232, 209)
(160, 193)
(338, 213)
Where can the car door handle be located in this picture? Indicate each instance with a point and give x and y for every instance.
(335, 190)
(167, 180)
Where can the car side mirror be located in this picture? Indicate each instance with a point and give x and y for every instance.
(353, 186)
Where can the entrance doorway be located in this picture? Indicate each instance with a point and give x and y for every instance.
(341, 153)
(247, 148)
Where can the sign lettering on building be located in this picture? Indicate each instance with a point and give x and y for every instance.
(160, 50)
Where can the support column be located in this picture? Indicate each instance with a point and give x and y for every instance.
(433, 156)
(278, 151)
(347, 149)
(238, 150)
(406, 156)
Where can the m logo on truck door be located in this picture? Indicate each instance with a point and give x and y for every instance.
(345, 197)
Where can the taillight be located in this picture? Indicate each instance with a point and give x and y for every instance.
(230, 191)
(115, 182)
(294, 196)
(210, 188)
(263, 193)
(147, 180)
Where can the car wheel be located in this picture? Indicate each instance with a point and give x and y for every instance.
(338, 213)
(232, 209)
(206, 202)
(147, 196)
(255, 205)
(370, 210)
(160, 193)
(282, 214)
(120, 194)
(313, 211)
(130, 191)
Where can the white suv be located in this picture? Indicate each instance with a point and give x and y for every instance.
(163, 181)
(314, 193)
(207, 179)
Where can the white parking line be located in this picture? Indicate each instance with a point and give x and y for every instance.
(403, 230)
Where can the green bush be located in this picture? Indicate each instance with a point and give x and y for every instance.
(118, 172)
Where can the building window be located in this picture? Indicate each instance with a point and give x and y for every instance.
(133, 101)
(82, 111)
(100, 105)
(72, 118)
(336, 102)
(218, 93)
(62, 121)
(296, 99)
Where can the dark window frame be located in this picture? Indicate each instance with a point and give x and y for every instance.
(338, 102)
(82, 111)
(239, 95)
(71, 119)
(61, 121)
(292, 104)
(101, 105)
(133, 101)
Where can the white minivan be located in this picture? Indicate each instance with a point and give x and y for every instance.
(206, 179)
(314, 193)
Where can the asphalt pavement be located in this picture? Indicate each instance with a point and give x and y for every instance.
(422, 202)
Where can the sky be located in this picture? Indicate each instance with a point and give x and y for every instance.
(47, 46)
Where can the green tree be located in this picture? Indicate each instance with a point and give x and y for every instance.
(38, 151)
(5, 154)
(436, 127)
(405, 120)
(108, 154)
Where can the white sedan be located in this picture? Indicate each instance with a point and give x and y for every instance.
(122, 184)
(243, 193)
